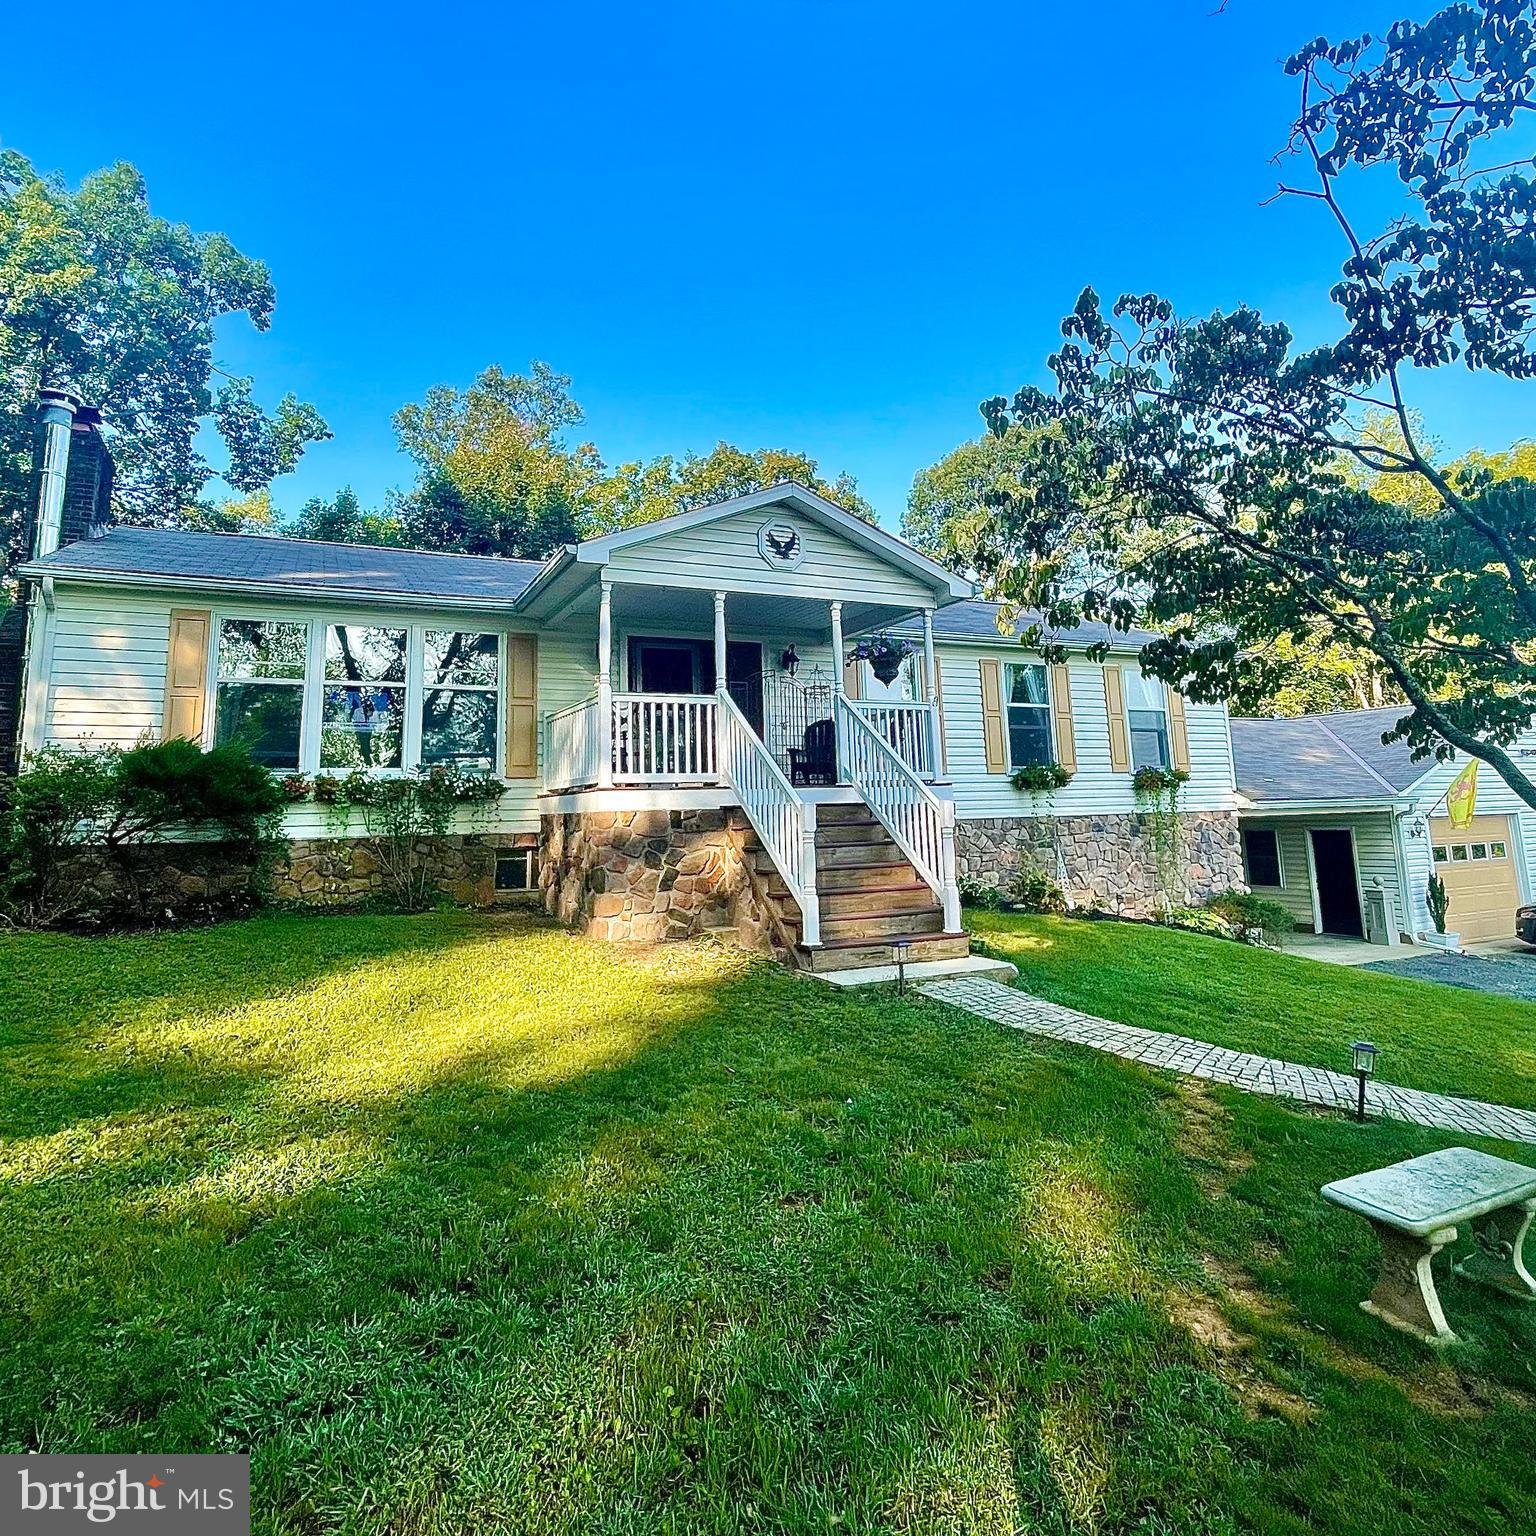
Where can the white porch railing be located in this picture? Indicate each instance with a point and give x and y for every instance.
(921, 824)
(573, 751)
(785, 824)
(663, 738)
(910, 729)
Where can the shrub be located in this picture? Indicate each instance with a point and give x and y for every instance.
(1252, 913)
(1438, 899)
(398, 812)
(66, 800)
(1035, 891)
(973, 893)
(1203, 920)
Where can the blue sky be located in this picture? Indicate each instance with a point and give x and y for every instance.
(830, 225)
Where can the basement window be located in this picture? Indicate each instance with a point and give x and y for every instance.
(514, 870)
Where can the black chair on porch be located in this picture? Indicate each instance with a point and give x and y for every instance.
(816, 761)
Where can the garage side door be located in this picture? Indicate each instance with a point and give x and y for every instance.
(1477, 863)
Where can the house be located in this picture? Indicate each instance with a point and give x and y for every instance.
(682, 738)
(1344, 831)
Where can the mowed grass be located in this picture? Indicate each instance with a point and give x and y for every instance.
(460, 1224)
(1445, 1039)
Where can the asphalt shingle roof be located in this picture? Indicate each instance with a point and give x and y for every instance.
(1323, 757)
(307, 565)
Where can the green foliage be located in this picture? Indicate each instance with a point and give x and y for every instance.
(976, 893)
(1438, 900)
(1194, 468)
(1034, 890)
(1246, 911)
(1040, 778)
(99, 295)
(950, 503)
(499, 475)
(342, 520)
(399, 812)
(65, 802)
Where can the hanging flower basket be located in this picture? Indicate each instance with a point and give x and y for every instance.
(884, 653)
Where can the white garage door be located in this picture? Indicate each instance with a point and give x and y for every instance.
(1477, 863)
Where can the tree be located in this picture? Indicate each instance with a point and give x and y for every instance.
(342, 520)
(100, 296)
(638, 493)
(1212, 448)
(950, 502)
(497, 477)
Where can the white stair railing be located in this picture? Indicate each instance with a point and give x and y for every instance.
(919, 822)
(573, 754)
(909, 730)
(785, 824)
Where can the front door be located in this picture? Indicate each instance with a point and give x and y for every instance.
(1338, 889)
(666, 666)
(744, 679)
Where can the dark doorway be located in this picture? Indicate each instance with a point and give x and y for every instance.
(744, 679)
(1338, 890)
(668, 666)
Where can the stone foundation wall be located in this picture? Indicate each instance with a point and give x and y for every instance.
(1104, 861)
(645, 875)
(334, 872)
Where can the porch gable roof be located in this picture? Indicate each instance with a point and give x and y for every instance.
(573, 566)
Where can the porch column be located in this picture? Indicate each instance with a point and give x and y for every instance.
(837, 648)
(719, 642)
(931, 694)
(605, 687)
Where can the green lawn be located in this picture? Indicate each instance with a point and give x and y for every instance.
(1445, 1039)
(460, 1224)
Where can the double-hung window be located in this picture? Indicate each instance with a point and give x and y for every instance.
(363, 710)
(1261, 857)
(1146, 717)
(1029, 715)
(259, 693)
(461, 674)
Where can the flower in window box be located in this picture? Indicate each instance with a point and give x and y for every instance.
(295, 786)
(326, 788)
(1153, 781)
(1041, 778)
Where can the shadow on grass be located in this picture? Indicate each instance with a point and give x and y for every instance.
(465, 1225)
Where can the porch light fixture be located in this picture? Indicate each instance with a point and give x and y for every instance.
(901, 950)
(789, 661)
(1364, 1054)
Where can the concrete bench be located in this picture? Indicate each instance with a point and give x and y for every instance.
(1416, 1207)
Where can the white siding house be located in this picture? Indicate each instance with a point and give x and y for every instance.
(693, 667)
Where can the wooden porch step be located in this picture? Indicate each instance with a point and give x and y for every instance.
(884, 925)
(868, 875)
(878, 899)
(832, 856)
(859, 954)
(842, 811)
(844, 832)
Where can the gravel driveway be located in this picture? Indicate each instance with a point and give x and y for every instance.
(1511, 976)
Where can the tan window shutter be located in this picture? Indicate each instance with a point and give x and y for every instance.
(1114, 705)
(186, 675)
(1061, 716)
(1178, 731)
(522, 690)
(853, 679)
(994, 736)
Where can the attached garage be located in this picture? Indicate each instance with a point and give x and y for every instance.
(1477, 863)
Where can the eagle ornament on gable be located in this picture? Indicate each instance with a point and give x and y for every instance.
(780, 545)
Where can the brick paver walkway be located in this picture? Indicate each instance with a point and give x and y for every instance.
(1258, 1074)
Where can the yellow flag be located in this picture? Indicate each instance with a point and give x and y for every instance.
(1461, 797)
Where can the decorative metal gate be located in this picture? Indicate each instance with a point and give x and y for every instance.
(797, 725)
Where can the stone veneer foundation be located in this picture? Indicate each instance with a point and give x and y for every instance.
(1103, 861)
(653, 875)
